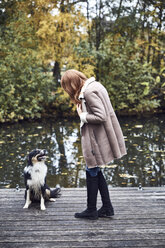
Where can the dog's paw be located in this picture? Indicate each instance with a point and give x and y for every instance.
(43, 208)
(26, 206)
(52, 200)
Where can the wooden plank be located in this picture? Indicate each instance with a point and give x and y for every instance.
(76, 226)
(91, 244)
(47, 217)
(69, 215)
(73, 222)
(139, 221)
(71, 209)
(59, 234)
(91, 236)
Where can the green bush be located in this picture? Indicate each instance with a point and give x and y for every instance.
(128, 81)
(25, 87)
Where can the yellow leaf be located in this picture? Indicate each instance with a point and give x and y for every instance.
(113, 166)
(139, 126)
(127, 176)
(146, 168)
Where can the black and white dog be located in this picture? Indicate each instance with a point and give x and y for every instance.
(35, 180)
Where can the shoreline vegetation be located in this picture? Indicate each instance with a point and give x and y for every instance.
(74, 116)
(121, 44)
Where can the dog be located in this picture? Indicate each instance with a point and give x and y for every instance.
(35, 180)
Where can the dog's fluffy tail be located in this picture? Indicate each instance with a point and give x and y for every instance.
(55, 193)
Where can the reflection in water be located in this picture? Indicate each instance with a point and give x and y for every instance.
(144, 163)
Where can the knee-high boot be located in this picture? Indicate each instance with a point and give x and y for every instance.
(107, 209)
(92, 190)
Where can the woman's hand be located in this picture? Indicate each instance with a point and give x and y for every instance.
(79, 110)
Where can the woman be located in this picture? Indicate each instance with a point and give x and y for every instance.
(101, 137)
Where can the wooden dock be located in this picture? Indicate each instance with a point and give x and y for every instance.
(139, 221)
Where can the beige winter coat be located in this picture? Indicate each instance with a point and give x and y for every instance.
(101, 137)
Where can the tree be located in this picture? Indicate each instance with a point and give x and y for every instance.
(25, 87)
(129, 83)
(59, 26)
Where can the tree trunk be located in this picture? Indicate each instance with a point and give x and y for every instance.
(119, 10)
(56, 72)
(149, 42)
(159, 31)
(89, 31)
(142, 32)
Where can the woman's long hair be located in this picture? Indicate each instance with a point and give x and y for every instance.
(72, 82)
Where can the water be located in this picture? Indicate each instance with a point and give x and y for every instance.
(144, 163)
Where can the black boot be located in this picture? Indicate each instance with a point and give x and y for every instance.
(107, 209)
(92, 190)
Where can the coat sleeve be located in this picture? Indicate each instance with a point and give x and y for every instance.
(96, 106)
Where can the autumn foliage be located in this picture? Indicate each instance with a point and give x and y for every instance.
(121, 45)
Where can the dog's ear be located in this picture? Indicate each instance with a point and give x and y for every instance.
(32, 154)
(29, 160)
(29, 157)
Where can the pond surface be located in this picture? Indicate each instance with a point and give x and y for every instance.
(144, 163)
